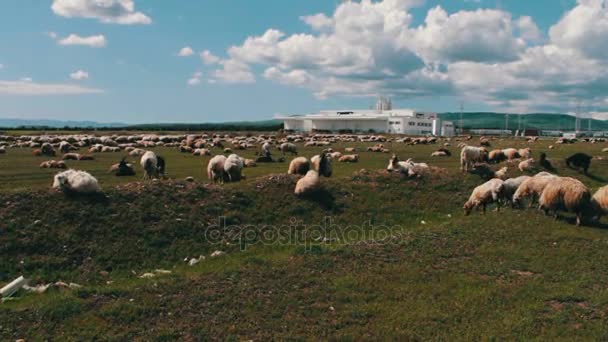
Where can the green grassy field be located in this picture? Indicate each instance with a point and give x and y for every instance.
(399, 261)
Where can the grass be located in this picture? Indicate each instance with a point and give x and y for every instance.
(510, 275)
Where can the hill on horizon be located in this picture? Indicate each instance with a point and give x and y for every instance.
(542, 121)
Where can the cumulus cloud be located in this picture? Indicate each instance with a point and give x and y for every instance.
(195, 79)
(32, 88)
(366, 48)
(185, 52)
(79, 75)
(209, 58)
(96, 41)
(1, 66)
(106, 11)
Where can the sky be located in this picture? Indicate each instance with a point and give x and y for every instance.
(150, 61)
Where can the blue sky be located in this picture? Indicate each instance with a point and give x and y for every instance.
(512, 55)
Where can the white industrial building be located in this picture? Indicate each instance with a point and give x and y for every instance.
(381, 120)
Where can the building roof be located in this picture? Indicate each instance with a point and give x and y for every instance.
(370, 114)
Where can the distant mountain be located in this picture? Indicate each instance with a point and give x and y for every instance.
(15, 123)
(544, 121)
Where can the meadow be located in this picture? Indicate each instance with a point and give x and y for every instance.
(371, 256)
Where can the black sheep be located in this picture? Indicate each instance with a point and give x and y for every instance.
(544, 163)
(579, 160)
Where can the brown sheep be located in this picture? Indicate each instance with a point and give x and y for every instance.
(567, 194)
(349, 158)
(299, 166)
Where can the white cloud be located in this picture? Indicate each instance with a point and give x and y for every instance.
(25, 79)
(79, 75)
(209, 58)
(1, 66)
(106, 11)
(185, 52)
(195, 79)
(51, 34)
(319, 22)
(32, 88)
(96, 41)
(233, 71)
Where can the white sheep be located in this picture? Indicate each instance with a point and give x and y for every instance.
(600, 201)
(289, 147)
(502, 173)
(407, 167)
(215, 168)
(471, 155)
(483, 195)
(510, 186)
(532, 187)
(308, 183)
(149, 163)
(299, 166)
(233, 167)
(74, 181)
(566, 193)
(527, 165)
(322, 164)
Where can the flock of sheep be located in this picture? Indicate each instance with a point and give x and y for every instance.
(553, 193)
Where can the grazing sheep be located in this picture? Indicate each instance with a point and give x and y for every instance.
(482, 170)
(502, 173)
(483, 195)
(510, 186)
(85, 157)
(471, 155)
(322, 164)
(349, 158)
(53, 164)
(233, 168)
(350, 149)
(511, 153)
(71, 156)
(545, 163)
(600, 202)
(37, 152)
(249, 163)
(566, 193)
(2, 150)
(496, 156)
(525, 153)
(532, 187)
(201, 152)
(335, 155)
(299, 166)
(307, 184)
(66, 147)
(47, 150)
(228, 150)
(215, 168)
(579, 160)
(185, 149)
(439, 154)
(149, 162)
(160, 166)
(137, 152)
(122, 169)
(289, 147)
(527, 165)
(73, 181)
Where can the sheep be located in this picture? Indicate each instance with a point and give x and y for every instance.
(532, 187)
(74, 181)
(47, 150)
(600, 202)
(350, 149)
(482, 170)
(566, 193)
(37, 152)
(266, 149)
(307, 184)
(2, 150)
(249, 163)
(322, 164)
(439, 154)
(470, 155)
(496, 156)
(511, 153)
(335, 155)
(137, 152)
(407, 167)
(509, 188)
(233, 168)
(71, 156)
(53, 164)
(160, 166)
(215, 168)
(525, 153)
(289, 147)
(349, 158)
(579, 160)
(149, 162)
(299, 166)
(483, 195)
(201, 152)
(545, 163)
(526, 165)
(502, 173)
(85, 157)
(228, 150)
(122, 169)
(66, 147)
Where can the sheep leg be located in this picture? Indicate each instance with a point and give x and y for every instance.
(578, 219)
